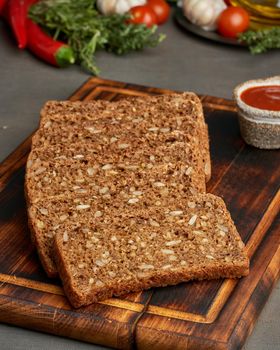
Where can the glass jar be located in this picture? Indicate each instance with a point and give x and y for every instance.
(263, 13)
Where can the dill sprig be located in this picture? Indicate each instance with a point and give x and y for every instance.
(261, 40)
(84, 29)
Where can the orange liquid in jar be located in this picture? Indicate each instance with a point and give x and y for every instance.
(262, 97)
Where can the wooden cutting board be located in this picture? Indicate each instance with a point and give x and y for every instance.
(197, 315)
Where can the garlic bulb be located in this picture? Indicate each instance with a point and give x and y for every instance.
(109, 7)
(203, 13)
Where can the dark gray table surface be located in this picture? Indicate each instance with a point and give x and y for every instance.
(181, 62)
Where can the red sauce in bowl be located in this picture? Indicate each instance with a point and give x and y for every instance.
(262, 97)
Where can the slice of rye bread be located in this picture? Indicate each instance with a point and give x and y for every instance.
(131, 150)
(149, 149)
(113, 253)
(127, 108)
(156, 110)
(112, 135)
(48, 179)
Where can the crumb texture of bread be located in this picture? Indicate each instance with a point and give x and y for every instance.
(118, 251)
(156, 110)
(116, 197)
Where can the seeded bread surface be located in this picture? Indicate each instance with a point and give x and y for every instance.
(171, 181)
(154, 110)
(162, 153)
(105, 185)
(102, 255)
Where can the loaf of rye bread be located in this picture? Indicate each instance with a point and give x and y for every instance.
(103, 250)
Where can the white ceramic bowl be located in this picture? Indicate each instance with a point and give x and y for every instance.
(259, 127)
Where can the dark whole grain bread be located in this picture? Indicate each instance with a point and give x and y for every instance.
(133, 151)
(130, 155)
(50, 183)
(112, 133)
(105, 252)
(153, 107)
(171, 181)
(156, 111)
(46, 181)
(116, 201)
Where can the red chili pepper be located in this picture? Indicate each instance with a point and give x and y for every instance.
(42, 45)
(2, 4)
(15, 12)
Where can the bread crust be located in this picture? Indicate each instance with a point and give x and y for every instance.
(35, 234)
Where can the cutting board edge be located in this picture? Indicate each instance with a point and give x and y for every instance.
(240, 333)
(116, 334)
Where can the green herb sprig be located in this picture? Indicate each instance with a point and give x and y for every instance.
(262, 40)
(86, 30)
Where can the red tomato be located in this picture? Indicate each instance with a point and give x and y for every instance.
(161, 9)
(232, 21)
(143, 15)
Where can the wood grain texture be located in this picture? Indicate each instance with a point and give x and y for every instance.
(196, 315)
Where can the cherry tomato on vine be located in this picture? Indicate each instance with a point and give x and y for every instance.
(143, 15)
(161, 10)
(232, 21)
